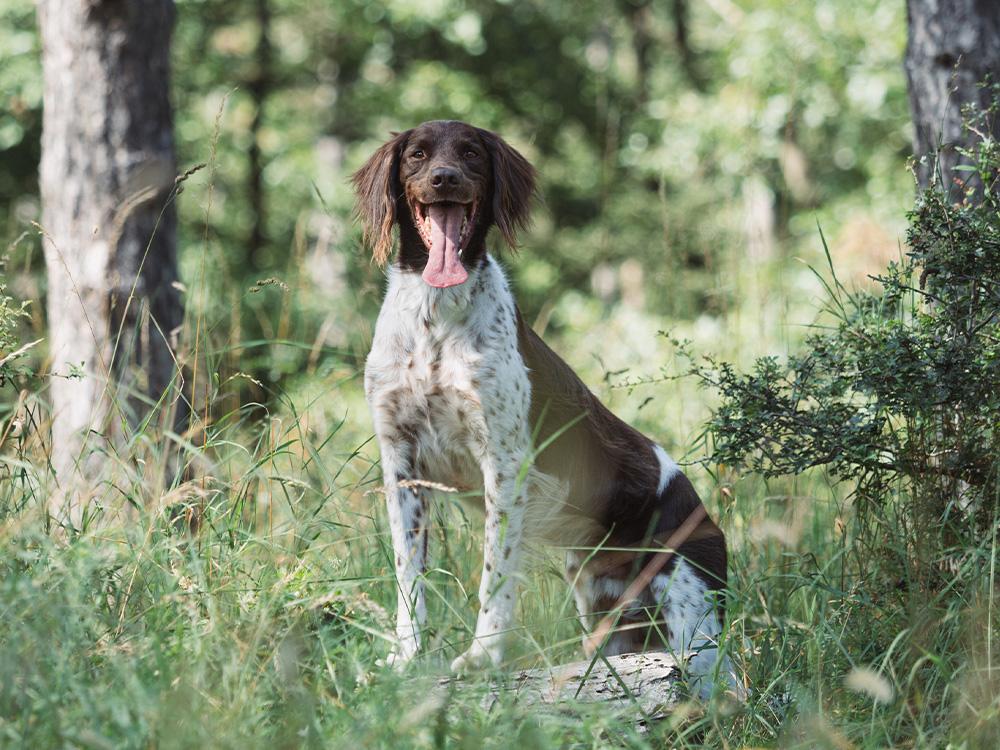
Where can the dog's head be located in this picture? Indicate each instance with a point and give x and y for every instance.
(445, 183)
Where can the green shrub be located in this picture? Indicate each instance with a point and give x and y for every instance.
(11, 348)
(896, 395)
(900, 394)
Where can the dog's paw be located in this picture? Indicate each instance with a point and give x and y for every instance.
(396, 659)
(475, 659)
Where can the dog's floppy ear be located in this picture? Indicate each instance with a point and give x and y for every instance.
(376, 189)
(513, 187)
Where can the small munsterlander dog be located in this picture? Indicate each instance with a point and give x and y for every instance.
(464, 393)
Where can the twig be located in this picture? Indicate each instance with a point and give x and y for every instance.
(646, 575)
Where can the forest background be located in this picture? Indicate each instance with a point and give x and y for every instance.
(704, 167)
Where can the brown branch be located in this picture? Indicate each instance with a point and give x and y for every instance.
(646, 575)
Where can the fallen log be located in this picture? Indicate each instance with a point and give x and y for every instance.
(649, 683)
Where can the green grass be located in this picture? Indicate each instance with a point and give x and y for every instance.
(251, 606)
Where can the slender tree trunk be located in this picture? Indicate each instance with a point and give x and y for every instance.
(953, 45)
(259, 87)
(638, 14)
(689, 62)
(107, 174)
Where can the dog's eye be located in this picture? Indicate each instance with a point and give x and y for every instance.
(470, 154)
(418, 154)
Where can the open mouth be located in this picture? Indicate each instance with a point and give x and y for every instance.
(425, 227)
(445, 228)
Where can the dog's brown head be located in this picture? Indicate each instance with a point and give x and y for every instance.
(445, 183)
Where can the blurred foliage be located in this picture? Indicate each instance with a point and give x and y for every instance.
(11, 349)
(20, 116)
(666, 135)
(687, 151)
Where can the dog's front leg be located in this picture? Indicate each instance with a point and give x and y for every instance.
(407, 508)
(504, 496)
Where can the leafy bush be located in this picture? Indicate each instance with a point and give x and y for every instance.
(900, 395)
(10, 347)
(894, 395)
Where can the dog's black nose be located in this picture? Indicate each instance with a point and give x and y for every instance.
(444, 177)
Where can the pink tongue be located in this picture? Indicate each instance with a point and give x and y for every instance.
(443, 266)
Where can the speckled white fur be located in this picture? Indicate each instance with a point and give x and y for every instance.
(450, 398)
(693, 624)
(668, 468)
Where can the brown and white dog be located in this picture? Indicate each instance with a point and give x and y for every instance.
(464, 393)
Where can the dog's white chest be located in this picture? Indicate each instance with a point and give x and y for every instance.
(445, 374)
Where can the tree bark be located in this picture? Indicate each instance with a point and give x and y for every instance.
(952, 46)
(107, 177)
(682, 38)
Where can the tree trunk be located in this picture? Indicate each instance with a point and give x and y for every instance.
(689, 62)
(259, 87)
(107, 176)
(952, 46)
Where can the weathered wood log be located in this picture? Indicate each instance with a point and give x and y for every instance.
(647, 684)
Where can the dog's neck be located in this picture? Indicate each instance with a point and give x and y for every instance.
(477, 296)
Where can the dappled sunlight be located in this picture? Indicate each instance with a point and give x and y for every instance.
(725, 248)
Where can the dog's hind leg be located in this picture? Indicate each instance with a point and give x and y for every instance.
(674, 613)
(692, 625)
(599, 596)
